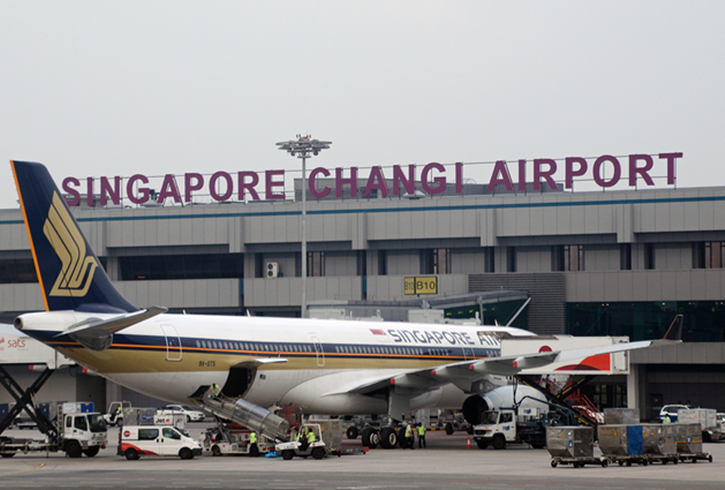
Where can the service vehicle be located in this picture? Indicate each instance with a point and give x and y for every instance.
(299, 446)
(114, 414)
(672, 411)
(157, 440)
(78, 433)
(232, 439)
(508, 425)
(191, 414)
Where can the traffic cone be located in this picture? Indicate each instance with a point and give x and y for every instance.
(468, 442)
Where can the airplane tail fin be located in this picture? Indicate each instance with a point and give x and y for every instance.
(70, 275)
(675, 330)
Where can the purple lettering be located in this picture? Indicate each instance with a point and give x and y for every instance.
(459, 177)
(76, 200)
(671, 160)
(408, 182)
(376, 181)
(192, 182)
(270, 184)
(143, 191)
(311, 183)
(522, 175)
(213, 186)
(89, 191)
(500, 176)
(340, 181)
(450, 338)
(546, 174)
(169, 189)
(634, 169)
(598, 171)
(243, 185)
(570, 173)
(440, 181)
(113, 192)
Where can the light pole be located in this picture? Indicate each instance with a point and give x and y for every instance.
(301, 148)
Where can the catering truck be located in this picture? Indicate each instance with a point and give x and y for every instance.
(77, 433)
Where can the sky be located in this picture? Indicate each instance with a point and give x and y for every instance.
(103, 88)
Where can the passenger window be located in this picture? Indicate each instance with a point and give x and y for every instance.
(80, 423)
(148, 434)
(171, 434)
(506, 417)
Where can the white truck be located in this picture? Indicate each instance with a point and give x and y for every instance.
(78, 434)
(706, 417)
(504, 426)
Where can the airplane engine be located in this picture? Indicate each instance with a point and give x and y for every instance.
(502, 397)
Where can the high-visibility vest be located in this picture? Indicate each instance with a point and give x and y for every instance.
(252, 438)
(408, 431)
(311, 437)
(421, 430)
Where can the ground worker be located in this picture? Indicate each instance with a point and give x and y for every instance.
(667, 419)
(253, 449)
(215, 390)
(409, 441)
(311, 438)
(421, 436)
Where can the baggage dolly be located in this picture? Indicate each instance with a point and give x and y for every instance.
(628, 460)
(663, 458)
(694, 457)
(579, 462)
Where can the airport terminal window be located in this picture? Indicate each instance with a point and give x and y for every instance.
(13, 271)
(625, 256)
(573, 257)
(168, 267)
(315, 264)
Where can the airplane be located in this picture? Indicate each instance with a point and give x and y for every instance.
(323, 366)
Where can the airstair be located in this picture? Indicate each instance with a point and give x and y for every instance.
(244, 413)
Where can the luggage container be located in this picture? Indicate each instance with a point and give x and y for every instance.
(138, 416)
(659, 443)
(689, 442)
(622, 443)
(572, 445)
(621, 416)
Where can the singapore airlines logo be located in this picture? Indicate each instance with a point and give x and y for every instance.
(77, 269)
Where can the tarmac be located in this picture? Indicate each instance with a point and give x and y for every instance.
(446, 463)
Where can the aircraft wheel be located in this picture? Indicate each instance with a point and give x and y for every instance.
(131, 454)
(370, 437)
(215, 451)
(388, 438)
(73, 449)
(449, 429)
(288, 454)
(318, 453)
(91, 451)
(352, 432)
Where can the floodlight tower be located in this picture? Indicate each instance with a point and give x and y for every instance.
(304, 147)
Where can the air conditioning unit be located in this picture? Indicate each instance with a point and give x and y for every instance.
(272, 270)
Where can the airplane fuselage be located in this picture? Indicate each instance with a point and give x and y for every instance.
(170, 356)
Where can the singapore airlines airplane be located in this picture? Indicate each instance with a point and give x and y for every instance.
(323, 366)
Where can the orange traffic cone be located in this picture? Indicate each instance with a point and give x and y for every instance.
(468, 442)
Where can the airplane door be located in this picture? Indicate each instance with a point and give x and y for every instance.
(318, 350)
(173, 342)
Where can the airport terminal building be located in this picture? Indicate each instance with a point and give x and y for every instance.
(603, 262)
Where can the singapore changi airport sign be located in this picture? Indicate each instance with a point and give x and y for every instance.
(605, 171)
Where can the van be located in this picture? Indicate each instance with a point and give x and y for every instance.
(156, 440)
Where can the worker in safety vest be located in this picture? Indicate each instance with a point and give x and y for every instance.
(409, 441)
(253, 449)
(311, 438)
(667, 419)
(421, 436)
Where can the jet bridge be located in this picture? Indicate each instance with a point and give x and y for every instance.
(249, 415)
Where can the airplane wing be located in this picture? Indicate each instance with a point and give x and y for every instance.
(465, 374)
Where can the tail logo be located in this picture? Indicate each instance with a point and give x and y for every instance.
(77, 269)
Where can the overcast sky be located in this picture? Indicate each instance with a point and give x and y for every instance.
(95, 88)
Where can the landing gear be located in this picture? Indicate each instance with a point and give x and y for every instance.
(370, 437)
(388, 438)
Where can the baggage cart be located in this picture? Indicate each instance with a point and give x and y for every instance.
(572, 445)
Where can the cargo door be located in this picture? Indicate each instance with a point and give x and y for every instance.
(173, 342)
